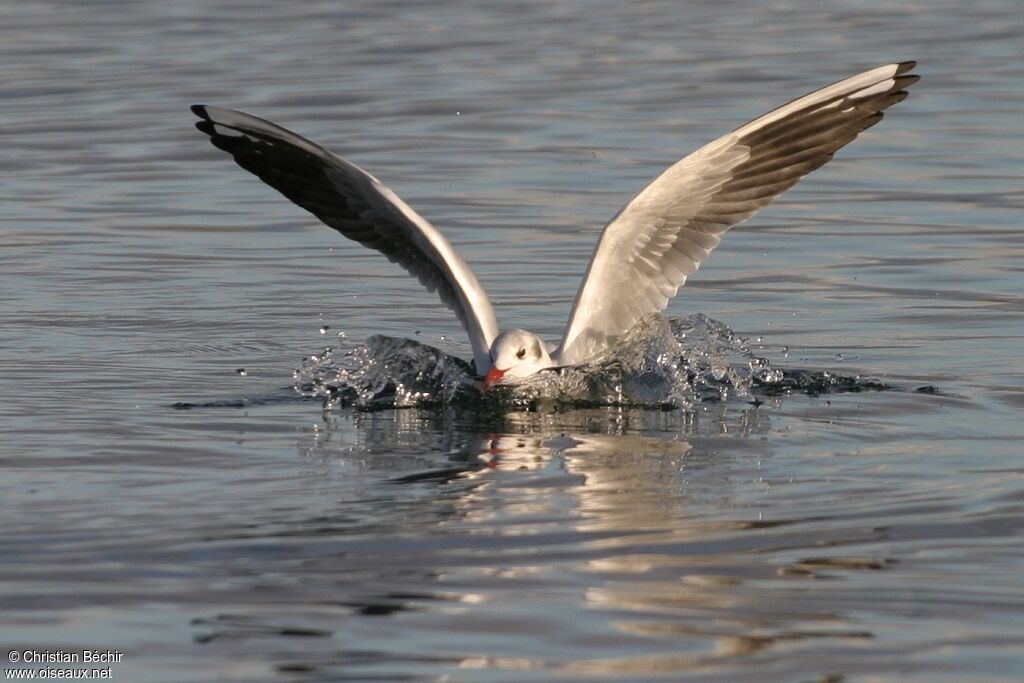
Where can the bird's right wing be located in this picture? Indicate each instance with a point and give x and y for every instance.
(661, 237)
(360, 207)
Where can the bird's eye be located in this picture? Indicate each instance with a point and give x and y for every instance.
(521, 353)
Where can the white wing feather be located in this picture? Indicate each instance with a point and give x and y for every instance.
(353, 202)
(660, 238)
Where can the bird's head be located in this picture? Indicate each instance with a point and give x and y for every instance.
(516, 353)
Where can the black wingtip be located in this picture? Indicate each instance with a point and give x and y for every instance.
(904, 67)
(906, 81)
(206, 126)
(200, 111)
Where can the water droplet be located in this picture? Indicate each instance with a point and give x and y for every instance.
(444, 338)
(838, 357)
(342, 336)
(241, 372)
(458, 113)
(760, 339)
(785, 352)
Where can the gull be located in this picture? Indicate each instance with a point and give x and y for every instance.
(644, 254)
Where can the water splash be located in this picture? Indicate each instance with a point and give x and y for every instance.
(662, 362)
(384, 372)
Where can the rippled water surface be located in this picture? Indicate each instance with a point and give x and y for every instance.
(799, 536)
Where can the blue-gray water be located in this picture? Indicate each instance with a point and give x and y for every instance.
(871, 536)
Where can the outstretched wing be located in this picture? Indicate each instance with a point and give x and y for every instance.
(661, 237)
(360, 207)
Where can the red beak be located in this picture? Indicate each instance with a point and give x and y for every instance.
(492, 377)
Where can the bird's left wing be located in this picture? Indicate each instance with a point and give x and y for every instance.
(660, 238)
(360, 207)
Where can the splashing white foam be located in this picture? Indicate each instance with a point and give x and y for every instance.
(669, 362)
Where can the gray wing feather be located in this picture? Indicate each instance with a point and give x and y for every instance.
(661, 237)
(360, 207)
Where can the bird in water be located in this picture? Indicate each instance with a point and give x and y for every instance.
(644, 254)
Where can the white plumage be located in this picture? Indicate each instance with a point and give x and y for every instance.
(644, 255)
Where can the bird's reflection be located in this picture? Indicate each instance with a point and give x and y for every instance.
(471, 441)
(642, 520)
(624, 470)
